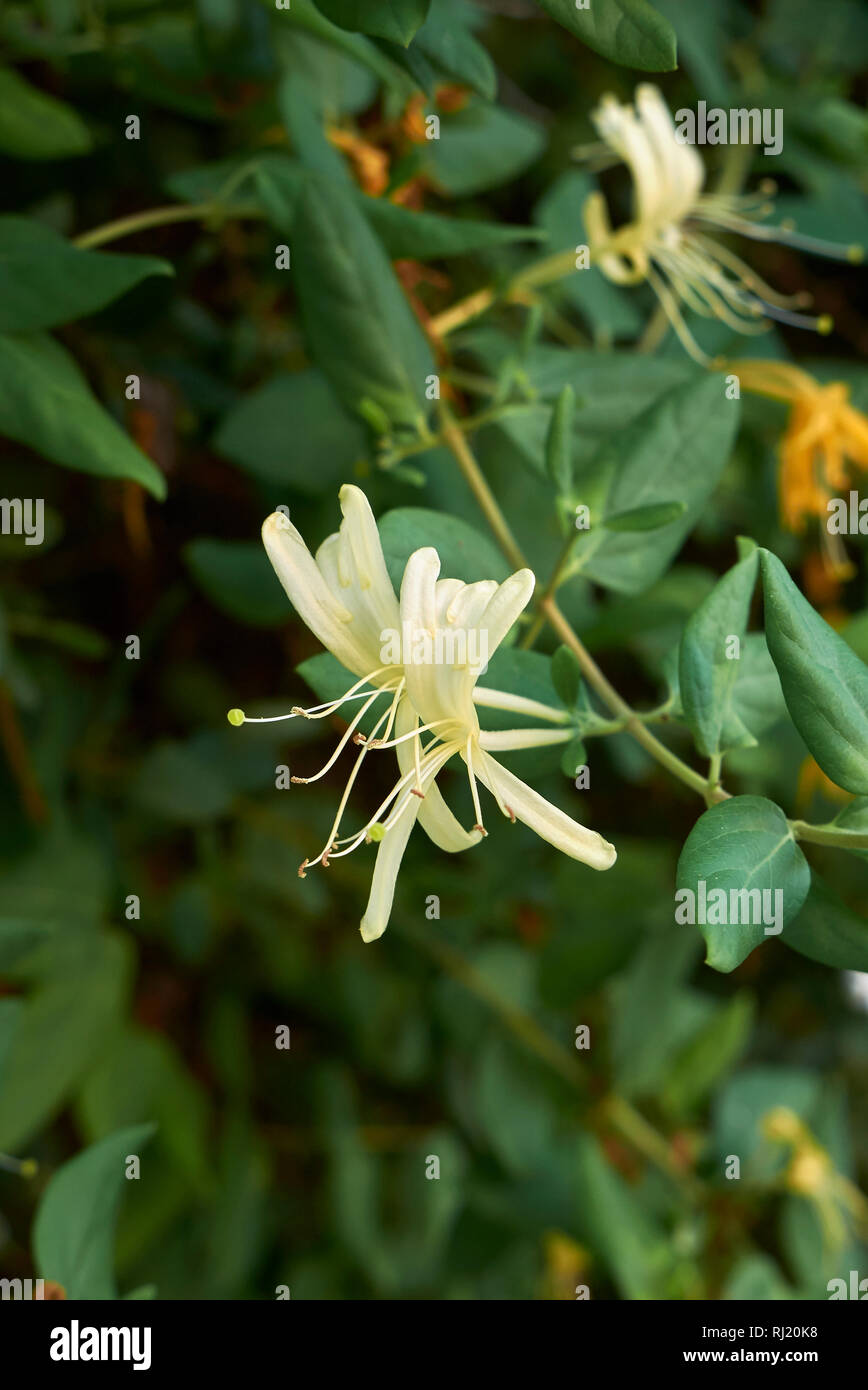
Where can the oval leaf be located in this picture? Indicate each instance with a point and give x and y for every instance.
(741, 877)
(825, 684)
(74, 1231)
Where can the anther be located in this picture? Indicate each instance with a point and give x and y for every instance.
(414, 791)
(510, 813)
(301, 869)
(481, 828)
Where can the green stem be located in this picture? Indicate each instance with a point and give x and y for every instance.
(455, 440)
(615, 1111)
(836, 836)
(157, 217)
(632, 722)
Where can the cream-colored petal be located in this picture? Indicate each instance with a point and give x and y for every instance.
(435, 817)
(426, 687)
(547, 820)
(319, 608)
(363, 541)
(681, 170)
(505, 607)
(508, 740)
(389, 855)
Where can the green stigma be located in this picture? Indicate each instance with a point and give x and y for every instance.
(376, 831)
(236, 717)
(855, 254)
(825, 324)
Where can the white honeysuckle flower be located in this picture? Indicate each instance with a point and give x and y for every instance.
(666, 242)
(345, 597)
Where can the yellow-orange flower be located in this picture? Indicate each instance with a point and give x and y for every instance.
(826, 439)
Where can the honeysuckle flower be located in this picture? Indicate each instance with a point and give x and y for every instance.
(345, 597)
(666, 242)
(826, 439)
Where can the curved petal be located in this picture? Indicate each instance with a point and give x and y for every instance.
(544, 818)
(388, 862)
(503, 609)
(362, 542)
(435, 817)
(681, 171)
(310, 595)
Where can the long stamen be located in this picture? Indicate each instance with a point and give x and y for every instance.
(237, 717)
(389, 718)
(674, 315)
(784, 235)
(474, 790)
(404, 738)
(343, 742)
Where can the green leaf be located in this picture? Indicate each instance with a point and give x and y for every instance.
(757, 700)
(34, 125)
(756, 1279)
(825, 684)
(238, 579)
(611, 1217)
(629, 32)
(164, 1092)
(743, 845)
(559, 441)
(518, 672)
(74, 1230)
(76, 1004)
(422, 236)
(45, 403)
(481, 147)
(574, 756)
(707, 668)
(567, 676)
(359, 327)
(711, 1052)
(293, 431)
(179, 785)
(645, 518)
(45, 280)
(854, 818)
(828, 931)
(396, 20)
(446, 40)
(513, 1106)
(678, 447)
(608, 309)
(465, 553)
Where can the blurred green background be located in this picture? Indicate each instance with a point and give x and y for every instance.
(121, 779)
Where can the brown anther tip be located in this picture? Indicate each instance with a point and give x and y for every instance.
(481, 828)
(359, 738)
(301, 869)
(375, 743)
(298, 779)
(511, 814)
(297, 709)
(415, 792)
